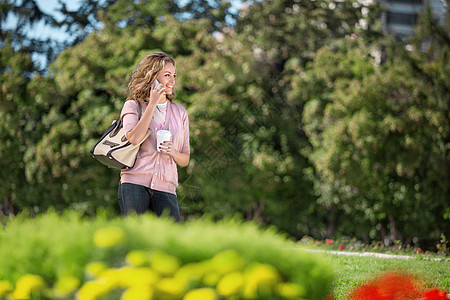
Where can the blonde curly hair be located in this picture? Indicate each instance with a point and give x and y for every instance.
(145, 74)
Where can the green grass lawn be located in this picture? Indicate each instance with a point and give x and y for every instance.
(352, 271)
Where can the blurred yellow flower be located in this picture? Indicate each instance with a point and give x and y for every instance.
(109, 236)
(290, 290)
(170, 288)
(164, 263)
(137, 258)
(27, 285)
(250, 290)
(110, 278)
(260, 279)
(94, 290)
(231, 284)
(138, 292)
(65, 285)
(227, 261)
(94, 269)
(127, 277)
(190, 272)
(201, 294)
(262, 274)
(211, 277)
(5, 288)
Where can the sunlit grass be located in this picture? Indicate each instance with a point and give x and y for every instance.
(352, 271)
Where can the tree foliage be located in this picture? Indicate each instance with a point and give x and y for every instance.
(379, 135)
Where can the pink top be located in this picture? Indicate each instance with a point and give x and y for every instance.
(154, 169)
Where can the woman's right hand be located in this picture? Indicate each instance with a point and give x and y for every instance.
(156, 93)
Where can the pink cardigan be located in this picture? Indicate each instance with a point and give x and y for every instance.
(153, 169)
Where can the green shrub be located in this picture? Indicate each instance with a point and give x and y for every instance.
(144, 257)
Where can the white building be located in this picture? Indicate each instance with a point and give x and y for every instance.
(401, 15)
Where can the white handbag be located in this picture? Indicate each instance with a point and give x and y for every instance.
(114, 150)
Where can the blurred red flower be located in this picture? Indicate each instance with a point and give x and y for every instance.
(329, 241)
(435, 294)
(341, 246)
(390, 286)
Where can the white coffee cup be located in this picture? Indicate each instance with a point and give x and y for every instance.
(161, 137)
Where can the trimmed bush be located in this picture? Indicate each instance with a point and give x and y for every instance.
(144, 257)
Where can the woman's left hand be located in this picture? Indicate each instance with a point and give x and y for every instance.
(180, 158)
(168, 148)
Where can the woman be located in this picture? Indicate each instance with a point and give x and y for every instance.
(151, 183)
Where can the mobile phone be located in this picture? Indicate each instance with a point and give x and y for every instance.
(156, 83)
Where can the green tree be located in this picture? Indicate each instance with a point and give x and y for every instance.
(379, 136)
(85, 90)
(244, 124)
(18, 111)
(20, 117)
